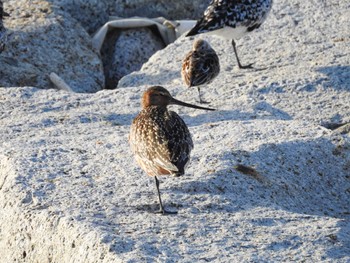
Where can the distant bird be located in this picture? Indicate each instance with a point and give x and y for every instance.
(200, 66)
(231, 19)
(3, 35)
(160, 139)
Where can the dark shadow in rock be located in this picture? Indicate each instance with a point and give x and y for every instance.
(334, 123)
(338, 77)
(125, 51)
(262, 111)
(339, 244)
(304, 177)
(299, 176)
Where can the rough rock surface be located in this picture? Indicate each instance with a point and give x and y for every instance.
(126, 51)
(175, 10)
(70, 190)
(45, 39)
(3, 34)
(92, 14)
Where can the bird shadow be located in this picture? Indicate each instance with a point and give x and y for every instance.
(303, 177)
(309, 177)
(337, 77)
(261, 110)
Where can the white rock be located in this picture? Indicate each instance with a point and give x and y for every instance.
(70, 190)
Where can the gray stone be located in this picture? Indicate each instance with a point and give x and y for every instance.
(3, 34)
(173, 10)
(44, 39)
(92, 14)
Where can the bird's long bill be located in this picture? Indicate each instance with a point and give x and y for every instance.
(177, 102)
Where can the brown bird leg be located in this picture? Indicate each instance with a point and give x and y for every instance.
(239, 63)
(161, 208)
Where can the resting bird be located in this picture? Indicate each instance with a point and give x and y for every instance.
(231, 19)
(160, 139)
(200, 66)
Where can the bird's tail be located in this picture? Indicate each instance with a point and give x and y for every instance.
(196, 29)
(191, 33)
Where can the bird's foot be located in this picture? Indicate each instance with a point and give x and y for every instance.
(249, 66)
(166, 212)
(203, 102)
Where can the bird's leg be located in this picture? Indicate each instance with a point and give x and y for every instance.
(239, 63)
(200, 98)
(161, 208)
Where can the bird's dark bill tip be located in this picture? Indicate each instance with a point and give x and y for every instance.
(185, 104)
(211, 109)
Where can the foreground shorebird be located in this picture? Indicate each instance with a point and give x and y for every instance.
(3, 36)
(160, 139)
(200, 66)
(231, 19)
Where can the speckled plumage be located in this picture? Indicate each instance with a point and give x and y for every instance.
(231, 19)
(200, 66)
(160, 139)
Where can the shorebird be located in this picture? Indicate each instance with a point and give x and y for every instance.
(160, 139)
(231, 19)
(200, 66)
(3, 36)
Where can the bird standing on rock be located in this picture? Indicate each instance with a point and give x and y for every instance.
(160, 139)
(231, 19)
(200, 66)
(3, 36)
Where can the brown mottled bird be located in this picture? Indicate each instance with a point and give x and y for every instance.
(3, 35)
(160, 139)
(200, 66)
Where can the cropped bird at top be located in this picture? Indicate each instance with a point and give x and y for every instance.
(3, 34)
(160, 139)
(200, 66)
(231, 19)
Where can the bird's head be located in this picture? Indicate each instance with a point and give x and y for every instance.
(159, 96)
(200, 45)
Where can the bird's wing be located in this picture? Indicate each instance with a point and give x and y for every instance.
(180, 142)
(186, 69)
(203, 68)
(212, 18)
(150, 149)
(236, 13)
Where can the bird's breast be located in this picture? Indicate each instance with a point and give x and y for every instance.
(228, 32)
